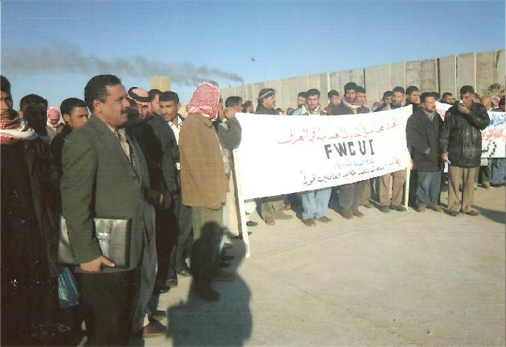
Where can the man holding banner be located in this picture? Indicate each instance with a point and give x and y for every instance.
(350, 194)
(314, 202)
(460, 143)
(271, 207)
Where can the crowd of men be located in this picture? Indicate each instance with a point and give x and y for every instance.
(136, 158)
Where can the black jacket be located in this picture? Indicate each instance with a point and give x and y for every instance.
(57, 145)
(263, 110)
(461, 135)
(423, 141)
(341, 109)
(169, 151)
(29, 220)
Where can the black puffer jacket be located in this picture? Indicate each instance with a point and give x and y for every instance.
(461, 135)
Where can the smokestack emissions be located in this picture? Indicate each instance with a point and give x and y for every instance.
(68, 58)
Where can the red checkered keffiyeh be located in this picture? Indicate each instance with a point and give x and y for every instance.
(205, 100)
(13, 130)
(9, 124)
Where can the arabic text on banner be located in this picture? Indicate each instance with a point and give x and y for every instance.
(282, 155)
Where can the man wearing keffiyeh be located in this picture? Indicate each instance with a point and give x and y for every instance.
(204, 187)
(29, 232)
(54, 126)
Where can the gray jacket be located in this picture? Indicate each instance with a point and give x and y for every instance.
(99, 181)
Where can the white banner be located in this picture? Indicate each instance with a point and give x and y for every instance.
(287, 154)
(493, 137)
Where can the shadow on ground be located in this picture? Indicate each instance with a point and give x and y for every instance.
(493, 215)
(227, 322)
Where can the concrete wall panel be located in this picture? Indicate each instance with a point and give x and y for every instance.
(335, 81)
(447, 75)
(466, 74)
(499, 73)
(485, 68)
(357, 76)
(324, 88)
(429, 81)
(398, 77)
(413, 73)
(377, 81)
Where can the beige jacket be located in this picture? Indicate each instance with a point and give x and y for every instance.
(203, 181)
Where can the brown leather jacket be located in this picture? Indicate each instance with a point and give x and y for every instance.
(203, 181)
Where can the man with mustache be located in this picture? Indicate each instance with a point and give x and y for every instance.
(350, 194)
(105, 175)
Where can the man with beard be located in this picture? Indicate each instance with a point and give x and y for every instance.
(448, 98)
(350, 194)
(314, 202)
(158, 196)
(460, 143)
(29, 231)
(271, 207)
(422, 133)
(413, 97)
(361, 99)
(105, 175)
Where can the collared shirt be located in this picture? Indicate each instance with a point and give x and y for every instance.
(176, 128)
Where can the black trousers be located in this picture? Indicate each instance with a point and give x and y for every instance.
(166, 241)
(184, 237)
(108, 300)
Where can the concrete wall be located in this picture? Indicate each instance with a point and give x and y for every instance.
(445, 74)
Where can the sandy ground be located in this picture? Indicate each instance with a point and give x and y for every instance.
(397, 279)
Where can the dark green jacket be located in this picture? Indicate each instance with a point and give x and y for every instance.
(99, 181)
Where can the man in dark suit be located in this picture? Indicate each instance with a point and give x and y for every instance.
(105, 175)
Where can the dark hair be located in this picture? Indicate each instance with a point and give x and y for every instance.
(360, 89)
(436, 95)
(247, 105)
(398, 89)
(501, 101)
(303, 94)
(411, 89)
(387, 94)
(153, 93)
(36, 117)
(31, 99)
(445, 94)
(233, 101)
(96, 88)
(169, 96)
(332, 93)
(68, 105)
(427, 95)
(350, 85)
(466, 89)
(312, 92)
(5, 84)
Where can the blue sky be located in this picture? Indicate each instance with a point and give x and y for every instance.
(287, 38)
